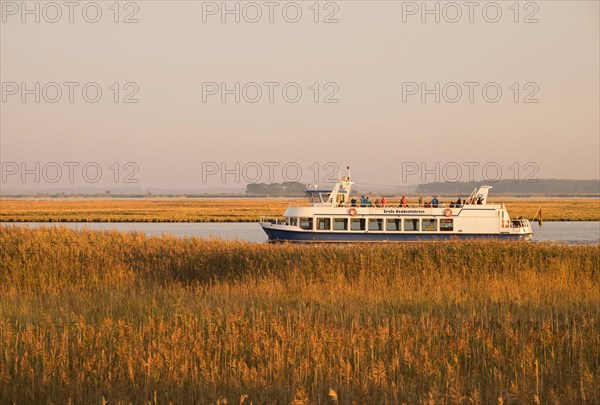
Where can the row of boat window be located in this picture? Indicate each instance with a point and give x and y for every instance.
(374, 224)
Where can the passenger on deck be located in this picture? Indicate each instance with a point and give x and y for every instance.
(479, 200)
(421, 201)
(363, 201)
(435, 202)
(353, 202)
(403, 202)
(377, 202)
(368, 202)
(458, 203)
(383, 202)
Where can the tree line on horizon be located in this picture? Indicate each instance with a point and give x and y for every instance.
(540, 186)
(287, 187)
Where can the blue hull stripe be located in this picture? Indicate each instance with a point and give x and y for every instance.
(294, 236)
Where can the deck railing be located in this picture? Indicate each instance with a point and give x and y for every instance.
(440, 205)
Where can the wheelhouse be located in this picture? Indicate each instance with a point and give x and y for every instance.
(318, 196)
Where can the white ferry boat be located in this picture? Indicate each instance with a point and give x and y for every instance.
(333, 217)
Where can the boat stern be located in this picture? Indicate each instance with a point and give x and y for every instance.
(520, 229)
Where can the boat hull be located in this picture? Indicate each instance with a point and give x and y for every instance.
(283, 235)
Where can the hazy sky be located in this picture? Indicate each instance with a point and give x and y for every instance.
(380, 61)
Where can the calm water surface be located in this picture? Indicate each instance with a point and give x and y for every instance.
(565, 232)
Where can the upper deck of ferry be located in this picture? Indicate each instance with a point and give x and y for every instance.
(339, 197)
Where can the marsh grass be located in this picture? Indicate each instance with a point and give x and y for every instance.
(178, 210)
(92, 316)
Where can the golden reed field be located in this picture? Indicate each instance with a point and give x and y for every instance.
(223, 210)
(108, 317)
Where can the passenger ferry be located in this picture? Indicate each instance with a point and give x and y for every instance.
(331, 217)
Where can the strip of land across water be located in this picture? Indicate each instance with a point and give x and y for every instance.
(238, 210)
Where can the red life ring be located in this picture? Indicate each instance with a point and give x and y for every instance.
(447, 212)
(352, 212)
